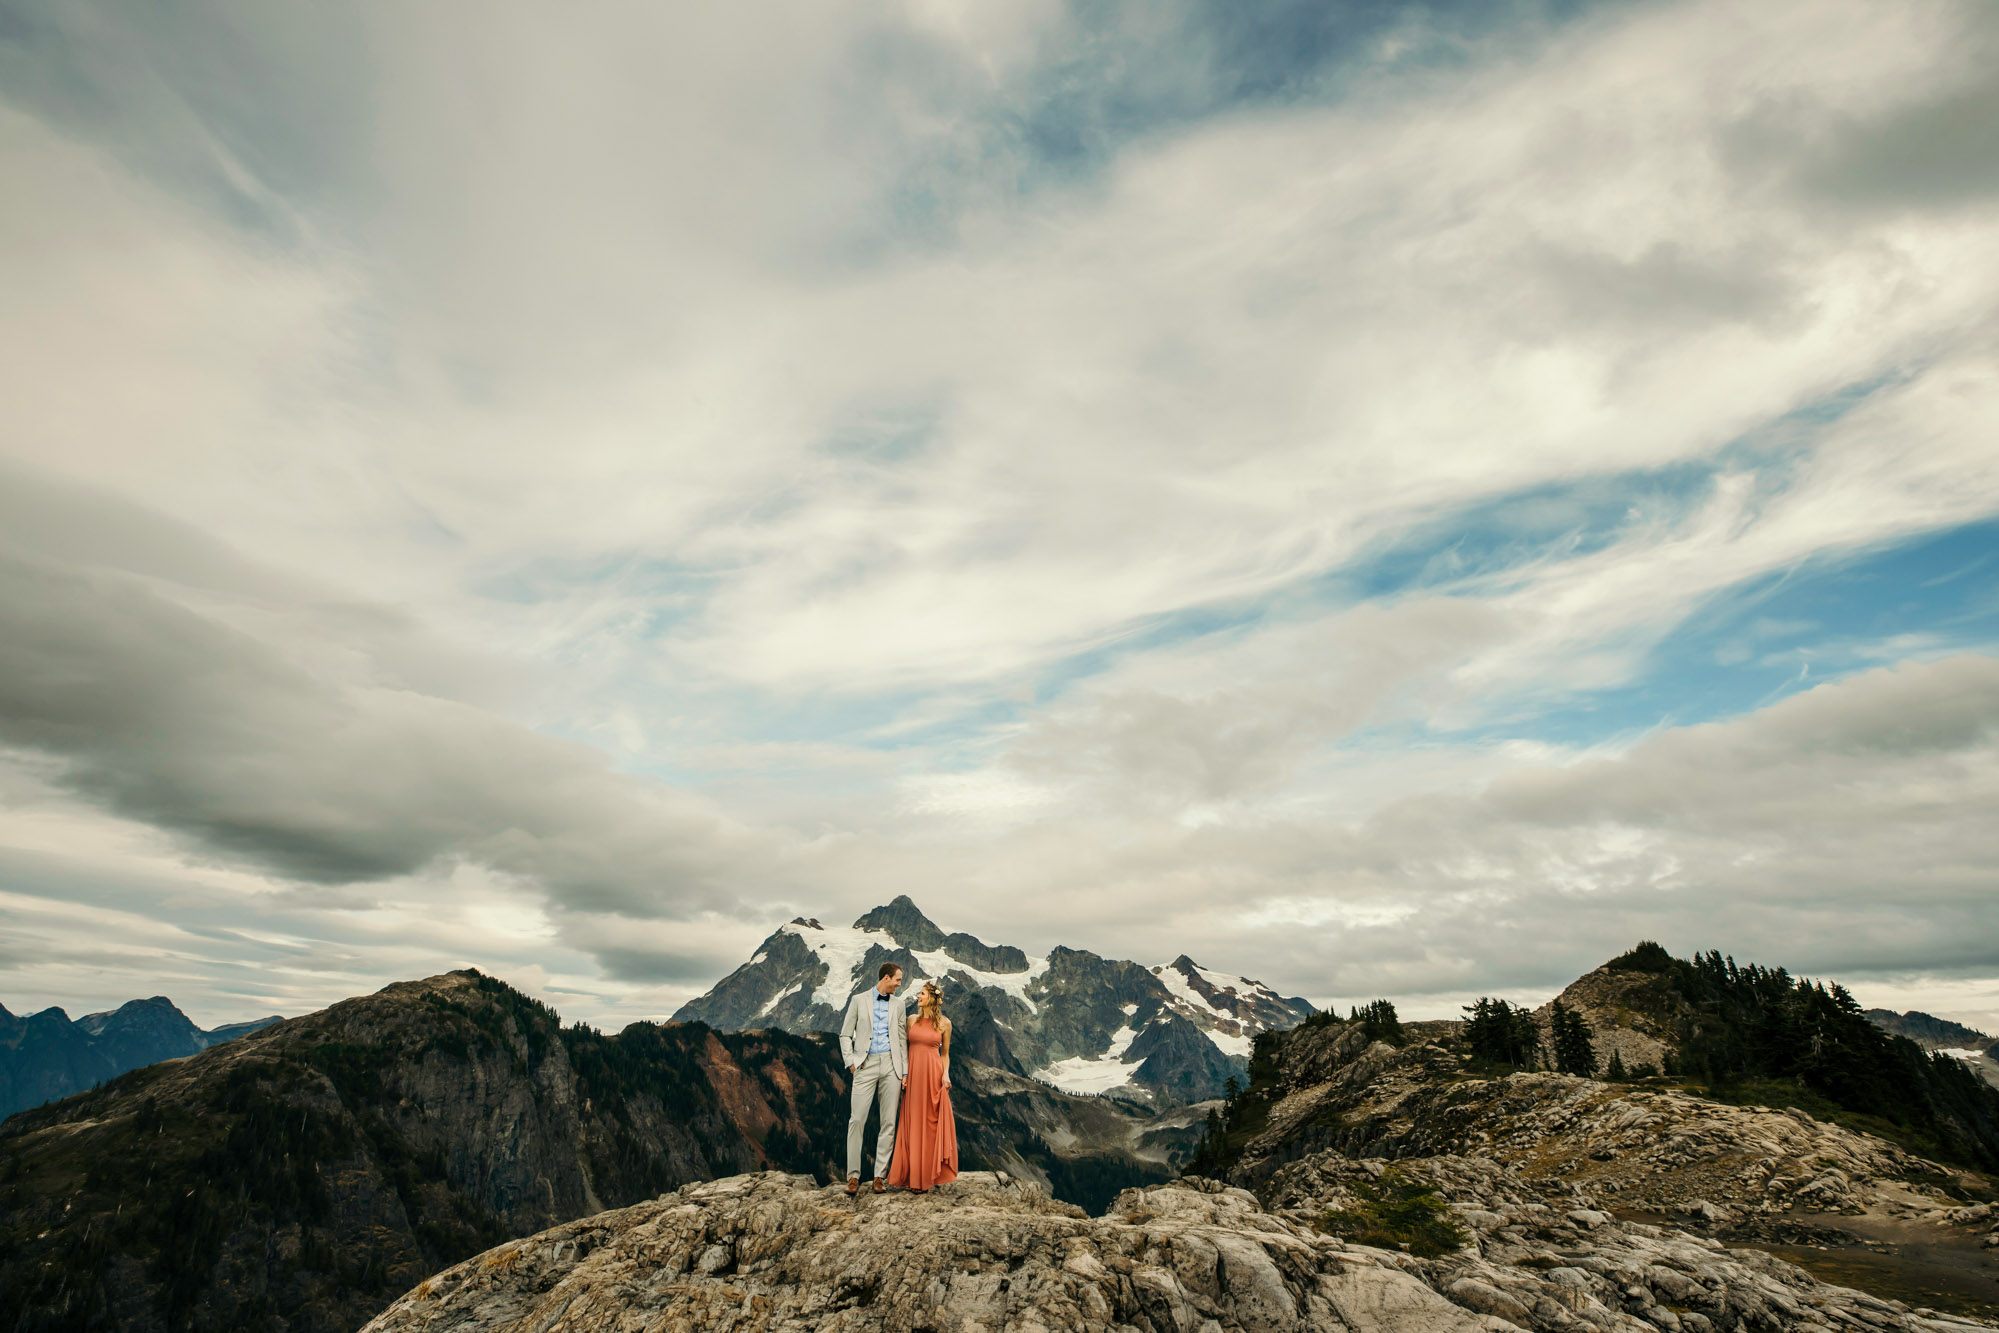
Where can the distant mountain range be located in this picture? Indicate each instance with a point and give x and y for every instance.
(46, 1056)
(1160, 1035)
(1976, 1049)
(1929, 1031)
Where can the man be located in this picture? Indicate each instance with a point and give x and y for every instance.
(874, 1041)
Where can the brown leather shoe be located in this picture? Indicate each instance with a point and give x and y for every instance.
(881, 1186)
(853, 1185)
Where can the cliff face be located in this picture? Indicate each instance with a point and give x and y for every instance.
(297, 1178)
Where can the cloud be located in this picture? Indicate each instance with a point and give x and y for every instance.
(1844, 830)
(1218, 725)
(164, 716)
(1920, 146)
(649, 476)
(1207, 376)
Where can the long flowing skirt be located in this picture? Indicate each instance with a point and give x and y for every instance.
(926, 1134)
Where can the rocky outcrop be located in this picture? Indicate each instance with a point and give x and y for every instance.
(45, 1056)
(1329, 1112)
(1653, 1148)
(1541, 1253)
(775, 1252)
(1631, 1016)
(1161, 1036)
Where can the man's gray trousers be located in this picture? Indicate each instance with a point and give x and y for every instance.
(874, 1080)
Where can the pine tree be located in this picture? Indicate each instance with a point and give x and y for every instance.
(1615, 1071)
(1526, 1039)
(1570, 1036)
(1503, 1033)
(1378, 1022)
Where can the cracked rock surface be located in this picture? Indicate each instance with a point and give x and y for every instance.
(778, 1252)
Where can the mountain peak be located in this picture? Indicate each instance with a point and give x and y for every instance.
(1070, 1018)
(903, 921)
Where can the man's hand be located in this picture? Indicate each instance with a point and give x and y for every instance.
(905, 1082)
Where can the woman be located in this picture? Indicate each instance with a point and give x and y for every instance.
(926, 1136)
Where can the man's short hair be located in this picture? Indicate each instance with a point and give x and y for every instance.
(887, 968)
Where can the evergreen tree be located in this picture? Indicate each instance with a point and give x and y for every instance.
(1745, 1023)
(1379, 1023)
(1501, 1032)
(1208, 1156)
(1569, 1034)
(1526, 1039)
(1615, 1071)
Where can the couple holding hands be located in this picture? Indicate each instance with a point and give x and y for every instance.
(905, 1065)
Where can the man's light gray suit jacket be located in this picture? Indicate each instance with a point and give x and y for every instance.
(858, 1029)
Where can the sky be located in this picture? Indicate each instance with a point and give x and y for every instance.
(1389, 499)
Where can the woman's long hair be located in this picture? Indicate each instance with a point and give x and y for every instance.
(930, 1005)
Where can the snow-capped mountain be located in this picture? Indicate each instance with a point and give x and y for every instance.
(1166, 1034)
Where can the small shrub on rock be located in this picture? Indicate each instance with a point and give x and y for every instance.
(1395, 1212)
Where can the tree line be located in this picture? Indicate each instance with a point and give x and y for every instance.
(1509, 1034)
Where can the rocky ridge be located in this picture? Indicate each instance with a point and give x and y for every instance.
(1654, 1148)
(778, 1253)
(1164, 1035)
(1326, 1102)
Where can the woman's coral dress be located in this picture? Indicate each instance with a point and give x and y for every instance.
(926, 1134)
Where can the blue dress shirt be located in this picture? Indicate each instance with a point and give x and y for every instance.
(879, 1042)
